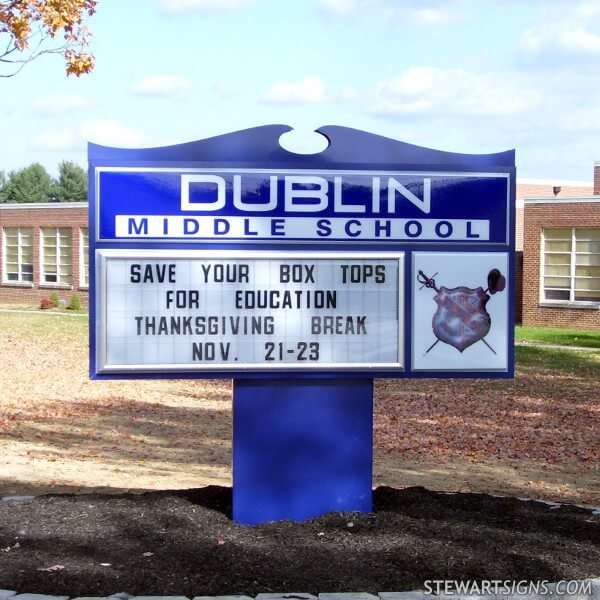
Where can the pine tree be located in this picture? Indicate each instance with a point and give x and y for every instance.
(30, 184)
(2, 186)
(72, 183)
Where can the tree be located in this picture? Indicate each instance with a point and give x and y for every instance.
(71, 185)
(2, 184)
(30, 28)
(31, 184)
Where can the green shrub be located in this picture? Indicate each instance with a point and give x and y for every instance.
(55, 299)
(75, 303)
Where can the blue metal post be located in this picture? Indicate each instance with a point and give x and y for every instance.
(301, 448)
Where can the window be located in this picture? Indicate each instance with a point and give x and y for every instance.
(85, 258)
(18, 255)
(571, 265)
(56, 255)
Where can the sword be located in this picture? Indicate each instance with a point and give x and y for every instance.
(488, 346)
(432, 345)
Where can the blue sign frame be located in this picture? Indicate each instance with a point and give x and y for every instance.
(142, 183)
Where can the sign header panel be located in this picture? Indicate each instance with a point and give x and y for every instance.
(212, 205)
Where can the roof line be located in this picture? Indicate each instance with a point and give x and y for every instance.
(572, 200)
(11, 205)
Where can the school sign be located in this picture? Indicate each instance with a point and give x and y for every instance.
(231, 257)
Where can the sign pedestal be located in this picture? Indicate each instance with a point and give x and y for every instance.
(301, 448)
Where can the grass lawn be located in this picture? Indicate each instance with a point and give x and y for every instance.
(58, 325)
(562, 337)
(557, 359)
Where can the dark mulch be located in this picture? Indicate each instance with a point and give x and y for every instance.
(413, 535)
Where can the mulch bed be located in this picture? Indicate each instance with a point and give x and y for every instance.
(184, 542)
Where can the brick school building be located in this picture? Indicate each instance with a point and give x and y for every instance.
(44, 249)
(561, 260)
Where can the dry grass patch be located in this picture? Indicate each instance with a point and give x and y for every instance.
(536, 436)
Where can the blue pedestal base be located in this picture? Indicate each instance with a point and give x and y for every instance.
(301, 448)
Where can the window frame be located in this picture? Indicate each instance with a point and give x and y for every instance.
(84, 259)
(20, 281)
(572, 253)
(43, 274)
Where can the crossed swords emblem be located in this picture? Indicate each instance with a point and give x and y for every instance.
(461, 318)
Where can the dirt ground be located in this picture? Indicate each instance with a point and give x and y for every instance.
(162, 543)
(536, 436)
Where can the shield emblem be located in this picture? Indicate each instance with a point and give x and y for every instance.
(461, 319)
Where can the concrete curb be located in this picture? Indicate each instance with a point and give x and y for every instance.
(587, 589)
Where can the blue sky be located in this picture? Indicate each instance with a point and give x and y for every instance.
(470, 76)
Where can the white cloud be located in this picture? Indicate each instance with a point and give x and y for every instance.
(202, 6)
(431, 16)
(567, 32)
(106, 132)
(348, 94)
(476, 111)
(588, 10)
(343, 8)
(162, 85)
(309, 90)
(581, 121)
(53, 141)
(555, 38)
(62, 103)
(109, 132)
(428, 13)
(428, 90)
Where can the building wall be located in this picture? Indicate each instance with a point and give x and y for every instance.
(597, 179)
(539, 188)
(71, 215)
(544, 214)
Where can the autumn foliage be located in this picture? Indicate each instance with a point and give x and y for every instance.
(30, 28)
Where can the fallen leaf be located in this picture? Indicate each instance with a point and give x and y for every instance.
(51, 569)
